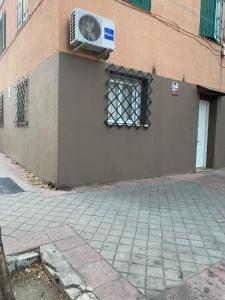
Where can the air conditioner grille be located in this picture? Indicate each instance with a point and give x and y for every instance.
(90, 28)
(73, 27)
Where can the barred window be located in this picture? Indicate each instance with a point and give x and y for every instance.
(1, 110)
(21, 118)
(22, 12)
(128, 97)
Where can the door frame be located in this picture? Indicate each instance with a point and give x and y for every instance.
(206, 134)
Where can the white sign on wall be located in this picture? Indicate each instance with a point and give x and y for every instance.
(175, 89)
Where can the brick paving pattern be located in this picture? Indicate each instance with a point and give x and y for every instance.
(156, 233)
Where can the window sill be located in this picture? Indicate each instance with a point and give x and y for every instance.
(207, 38)
(22, 124)
(129, 124)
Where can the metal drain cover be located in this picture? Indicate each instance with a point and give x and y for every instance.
(8, 186)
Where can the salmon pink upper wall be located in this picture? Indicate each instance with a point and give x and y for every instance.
(143, 42)
(37, 40)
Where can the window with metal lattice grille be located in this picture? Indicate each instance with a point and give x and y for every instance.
(21, 118)
(128, 97)
(1, 110)
(22, 12)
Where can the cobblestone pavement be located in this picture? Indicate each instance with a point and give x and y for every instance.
(155, 232)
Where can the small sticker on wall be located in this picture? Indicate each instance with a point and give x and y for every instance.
(175, 89)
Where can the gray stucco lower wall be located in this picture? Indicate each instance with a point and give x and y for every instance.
(219, 157)
(91, 152)
(35, 147)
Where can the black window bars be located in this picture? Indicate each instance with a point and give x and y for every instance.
(21, 116)
(128, 97)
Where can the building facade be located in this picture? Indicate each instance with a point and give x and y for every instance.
(155, 107)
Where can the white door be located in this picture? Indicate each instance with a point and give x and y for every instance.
(202, 141)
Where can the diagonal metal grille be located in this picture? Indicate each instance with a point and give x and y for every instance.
(21, 117)
(1, 110)
(128, 97)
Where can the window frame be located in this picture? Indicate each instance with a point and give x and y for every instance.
(140, 114)
(135, 105)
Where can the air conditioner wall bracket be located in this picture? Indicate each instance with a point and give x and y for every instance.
(78, 47)
(102, 55)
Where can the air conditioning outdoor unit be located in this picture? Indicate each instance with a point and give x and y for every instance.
(92, 32)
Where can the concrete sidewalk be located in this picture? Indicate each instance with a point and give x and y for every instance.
(155, 232)
(82, 265)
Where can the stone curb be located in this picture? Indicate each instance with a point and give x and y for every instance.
(64, 275)
(57, 268)
(22, 261)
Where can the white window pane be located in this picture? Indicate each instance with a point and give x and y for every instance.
(126, 102)
(25, 10)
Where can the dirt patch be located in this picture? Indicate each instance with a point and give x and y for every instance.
(37, 181)
(34, 284)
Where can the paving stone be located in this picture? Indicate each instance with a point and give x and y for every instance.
(107, 254)
(155, 283)
(138, 258)
(215, 253)
(121, 266)
(118, 290)
(186, 257)
(154, 261)
(172, 283)
(171, 264)
(154, 252)
(124, 248)
(122, 256)
(137, 280)
(69, 279)
(187, 266)
(69, 243)
(171, 274)
(59, 233)
(137, 269)
(98, 273)
(155, 271)
(81, 256)
(170, 255)
(73, 293)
